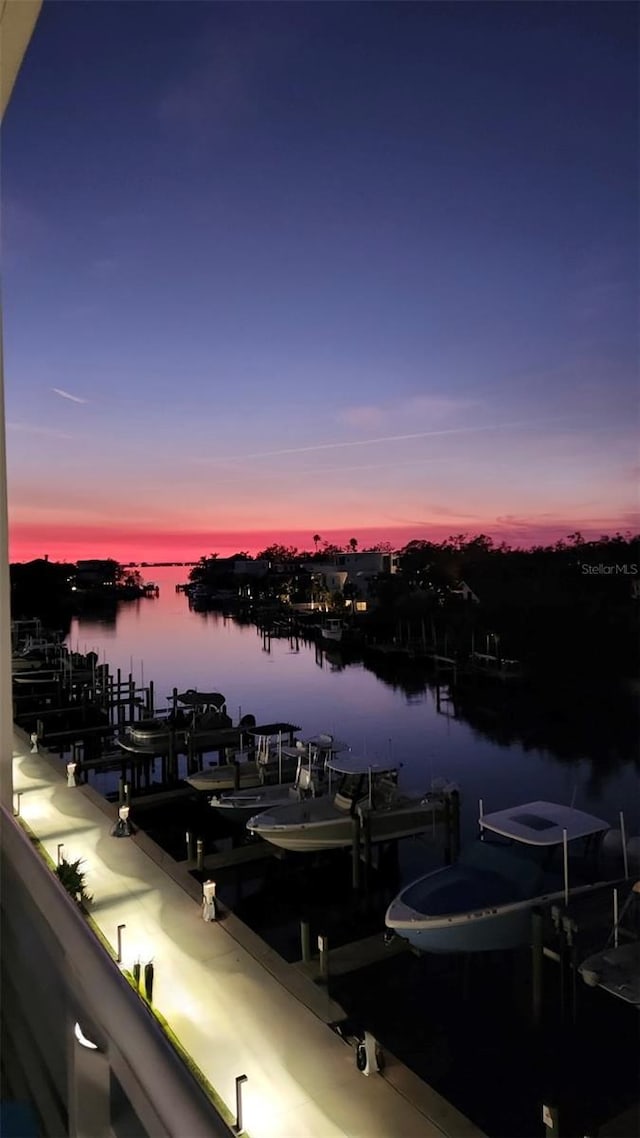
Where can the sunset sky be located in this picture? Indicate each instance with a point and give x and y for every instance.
(278, 269)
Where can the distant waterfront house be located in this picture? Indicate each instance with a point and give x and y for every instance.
(96, 574)
(248, 567)
(369, 563)
(353, 575)
(327, 575)
(466, 592)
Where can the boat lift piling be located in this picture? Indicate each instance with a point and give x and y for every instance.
(305, 941)
(355, 852)
(323, 948)
(537, 966)
(365, 825)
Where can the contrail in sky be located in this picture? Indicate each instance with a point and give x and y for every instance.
(383, 439)
(67, 395)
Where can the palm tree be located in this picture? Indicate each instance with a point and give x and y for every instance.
(353, 542)
(316, 540)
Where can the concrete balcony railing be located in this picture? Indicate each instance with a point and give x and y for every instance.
(56, 975)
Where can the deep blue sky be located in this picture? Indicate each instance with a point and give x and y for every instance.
(234, 230)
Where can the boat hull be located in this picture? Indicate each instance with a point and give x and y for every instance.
(227, 776)
(488, 933)
(615, 970)
(334, 829)
(485, 928)
(236, 809)
(141, 742)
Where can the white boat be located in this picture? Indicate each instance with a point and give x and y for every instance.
(617, 968)
(331, 630)
(484, 901)
(271, 757)
(366, 789)
(310, 778)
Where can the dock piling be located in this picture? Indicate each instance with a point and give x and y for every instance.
(551, 1121)
(355, 852)
(365, 825)
(305, 941)
(448, 831)
(454, 822)
(537, 962)
(200, 855)
(323, 948)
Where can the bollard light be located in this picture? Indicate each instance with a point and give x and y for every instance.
(123, 828)
(239, 1125)
(71, 774)
(209, 901)
(119, 943)
(34, 742)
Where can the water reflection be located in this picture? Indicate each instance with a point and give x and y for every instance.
(504, 746)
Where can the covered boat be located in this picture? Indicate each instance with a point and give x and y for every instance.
(268, 755)
(311, 755)
(200, 714)
(484, 901)
(617, 968)
(367, 789)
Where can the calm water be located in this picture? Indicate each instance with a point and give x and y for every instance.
(164, 641)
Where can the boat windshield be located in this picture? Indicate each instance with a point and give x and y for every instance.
(354, 788)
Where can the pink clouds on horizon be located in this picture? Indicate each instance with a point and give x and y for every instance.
(29, 540)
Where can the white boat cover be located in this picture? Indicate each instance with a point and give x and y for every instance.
(353, 764)
(542, 823)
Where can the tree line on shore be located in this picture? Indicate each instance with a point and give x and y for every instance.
(567, 608)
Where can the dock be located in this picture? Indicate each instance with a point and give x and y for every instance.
(350, 957)
(232, 1002)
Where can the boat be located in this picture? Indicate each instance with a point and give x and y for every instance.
(331, 630)
(270, 757)
(616, 969)
(484, 901)
(199, 713)
(25, 664)
(367, 789)
(311, 758)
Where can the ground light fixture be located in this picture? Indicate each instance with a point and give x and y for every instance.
(123, 828)
(119, 942)
(239, 1123)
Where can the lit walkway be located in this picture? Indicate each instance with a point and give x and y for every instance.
(229, 1012)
